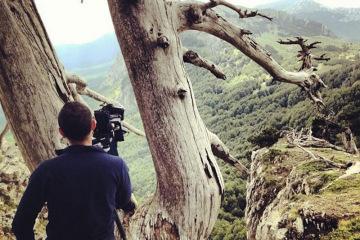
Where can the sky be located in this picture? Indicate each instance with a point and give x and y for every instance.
(73, 22)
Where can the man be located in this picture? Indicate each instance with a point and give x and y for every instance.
(82, 186)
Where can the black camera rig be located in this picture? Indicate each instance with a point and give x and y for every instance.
(108, 132)
(108, 129)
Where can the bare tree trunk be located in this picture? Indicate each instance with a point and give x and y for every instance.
(189, 183)
(32, 81)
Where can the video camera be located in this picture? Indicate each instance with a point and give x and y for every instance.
(108, 129)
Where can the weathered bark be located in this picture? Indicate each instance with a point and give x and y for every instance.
(195, 59)
(189, 183)
(3, 133)
(32, 81)
(221, 151)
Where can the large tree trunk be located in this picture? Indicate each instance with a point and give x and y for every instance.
(189, 183)
(32, 88)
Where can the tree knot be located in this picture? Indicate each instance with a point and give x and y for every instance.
(163, 42)
(181, 93)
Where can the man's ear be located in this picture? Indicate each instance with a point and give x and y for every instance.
(62, 133)
(93, 124)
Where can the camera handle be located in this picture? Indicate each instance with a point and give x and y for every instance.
(119, 226)
(113, 151)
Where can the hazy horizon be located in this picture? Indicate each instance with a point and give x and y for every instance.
(91, 20)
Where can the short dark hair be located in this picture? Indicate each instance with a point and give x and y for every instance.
(75, 120)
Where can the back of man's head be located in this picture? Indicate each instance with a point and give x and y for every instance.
(75, 121)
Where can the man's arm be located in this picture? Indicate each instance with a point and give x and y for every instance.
(123, 195)
(29, 206)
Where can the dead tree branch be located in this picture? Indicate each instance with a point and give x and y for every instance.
(221, 151)
(304, 54)
(202, 18)
(74, 93)
(322, 58)
(82, 89)
(195, 59)
(242, 14)
(306, 58)
(303, 141)
(348, 141)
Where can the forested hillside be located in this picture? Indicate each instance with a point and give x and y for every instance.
(241, 108)
(344, 22)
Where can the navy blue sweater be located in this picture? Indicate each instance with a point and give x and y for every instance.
(81, 188)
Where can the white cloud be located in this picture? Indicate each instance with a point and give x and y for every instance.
(69, 21)
(342, 3)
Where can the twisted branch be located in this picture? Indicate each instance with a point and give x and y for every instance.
(194, 58)
(304, 54)
(302, 141)
(242, 14)
(202, 18)
(220, 150)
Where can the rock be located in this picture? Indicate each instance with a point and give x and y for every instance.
(13, 180)
(286, 200)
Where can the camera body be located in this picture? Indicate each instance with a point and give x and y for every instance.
(108, 128)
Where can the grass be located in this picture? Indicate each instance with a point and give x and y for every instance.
(328, 194)
(348, 229)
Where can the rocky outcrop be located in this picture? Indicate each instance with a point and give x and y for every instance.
(13, 180)
(292, 196)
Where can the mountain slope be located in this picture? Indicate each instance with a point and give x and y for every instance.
(100, 51)
(344, 22)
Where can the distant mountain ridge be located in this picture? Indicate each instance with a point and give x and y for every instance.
(100, 51)
(344, 22)
(106, 48)
(293, 6)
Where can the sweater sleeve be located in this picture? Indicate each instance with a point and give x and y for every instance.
(123, 193)
(30, 205)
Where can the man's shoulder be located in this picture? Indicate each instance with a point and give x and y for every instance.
(48, 163)
(100, 158)
(114, 160)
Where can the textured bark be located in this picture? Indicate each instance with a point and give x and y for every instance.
(189, 183)
(195, 59)
(32, 82)
(221, 151)
(3, 133)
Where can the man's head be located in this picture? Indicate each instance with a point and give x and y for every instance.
(76, 122)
